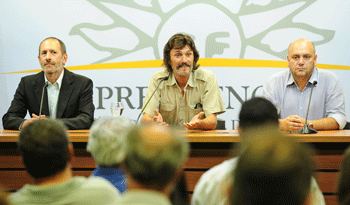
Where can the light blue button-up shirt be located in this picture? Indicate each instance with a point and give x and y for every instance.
(53, 91)
(327, 96)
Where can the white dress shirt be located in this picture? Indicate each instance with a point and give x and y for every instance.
(212, 188)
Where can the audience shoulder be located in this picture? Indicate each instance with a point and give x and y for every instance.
(101, 185)
(209, 187)
(219, 171)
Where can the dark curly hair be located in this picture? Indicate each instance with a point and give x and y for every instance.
(179, 41)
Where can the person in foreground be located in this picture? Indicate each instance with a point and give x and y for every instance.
(273, 169)
(188, 95)
(47, 154)
(290, 91)
(68, 96)
(153, 164)
(343, 186)
(107, 145)
(256, 115)
(4, 197)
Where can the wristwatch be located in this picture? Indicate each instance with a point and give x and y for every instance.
(310, 124)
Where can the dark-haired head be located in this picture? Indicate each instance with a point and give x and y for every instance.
(343, 185)
(43, 146)
(257, 112)
(179, 41)
(273, 169)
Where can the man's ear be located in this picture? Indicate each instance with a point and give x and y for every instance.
(239, 129)
(315, 61)
(65, 58)
(169, 62)
(172, 184)
(71, 152)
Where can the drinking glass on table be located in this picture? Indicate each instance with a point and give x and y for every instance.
(117, 108)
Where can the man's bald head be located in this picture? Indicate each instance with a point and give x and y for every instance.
(299, 42)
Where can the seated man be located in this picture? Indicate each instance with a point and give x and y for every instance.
(290, 91)
(68, 96)
(153, 163)
(47, 154)
(107, 146)
(255, 114)
(187, 93)
(273, 169)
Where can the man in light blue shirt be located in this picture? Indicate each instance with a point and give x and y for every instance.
(290, 92)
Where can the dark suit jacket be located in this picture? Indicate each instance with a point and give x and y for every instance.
(75, 105)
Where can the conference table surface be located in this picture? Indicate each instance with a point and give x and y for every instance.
(207, 136)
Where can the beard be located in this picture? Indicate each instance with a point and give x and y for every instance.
(54, 67)
(185, 73)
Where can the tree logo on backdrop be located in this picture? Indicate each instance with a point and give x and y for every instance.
(221, 29)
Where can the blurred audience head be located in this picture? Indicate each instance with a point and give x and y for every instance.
(155, 155)
(4, 197)
(257, 112)
(343, 187)
(107, 141)
(273, 169)
(43, 146)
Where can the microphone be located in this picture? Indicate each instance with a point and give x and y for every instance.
(306, 129)
(165, 78)
(42, 98)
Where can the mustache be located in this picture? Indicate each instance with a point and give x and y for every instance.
(183, 64)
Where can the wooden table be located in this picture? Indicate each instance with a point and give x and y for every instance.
(208, 148)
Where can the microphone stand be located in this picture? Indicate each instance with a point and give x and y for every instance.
(165, 78)
(42, 99)
(306, 129)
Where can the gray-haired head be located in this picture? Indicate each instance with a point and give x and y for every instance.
(63, 46)
(107, 143)
(154, 155)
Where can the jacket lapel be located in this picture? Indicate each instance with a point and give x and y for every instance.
(38, 88)
(65, 93)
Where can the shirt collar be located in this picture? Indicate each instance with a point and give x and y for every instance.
(58, 81)
(171, 80)
(190, 82)
(314, 77)
(290, 79)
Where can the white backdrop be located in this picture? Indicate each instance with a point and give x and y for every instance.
(112, 31)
